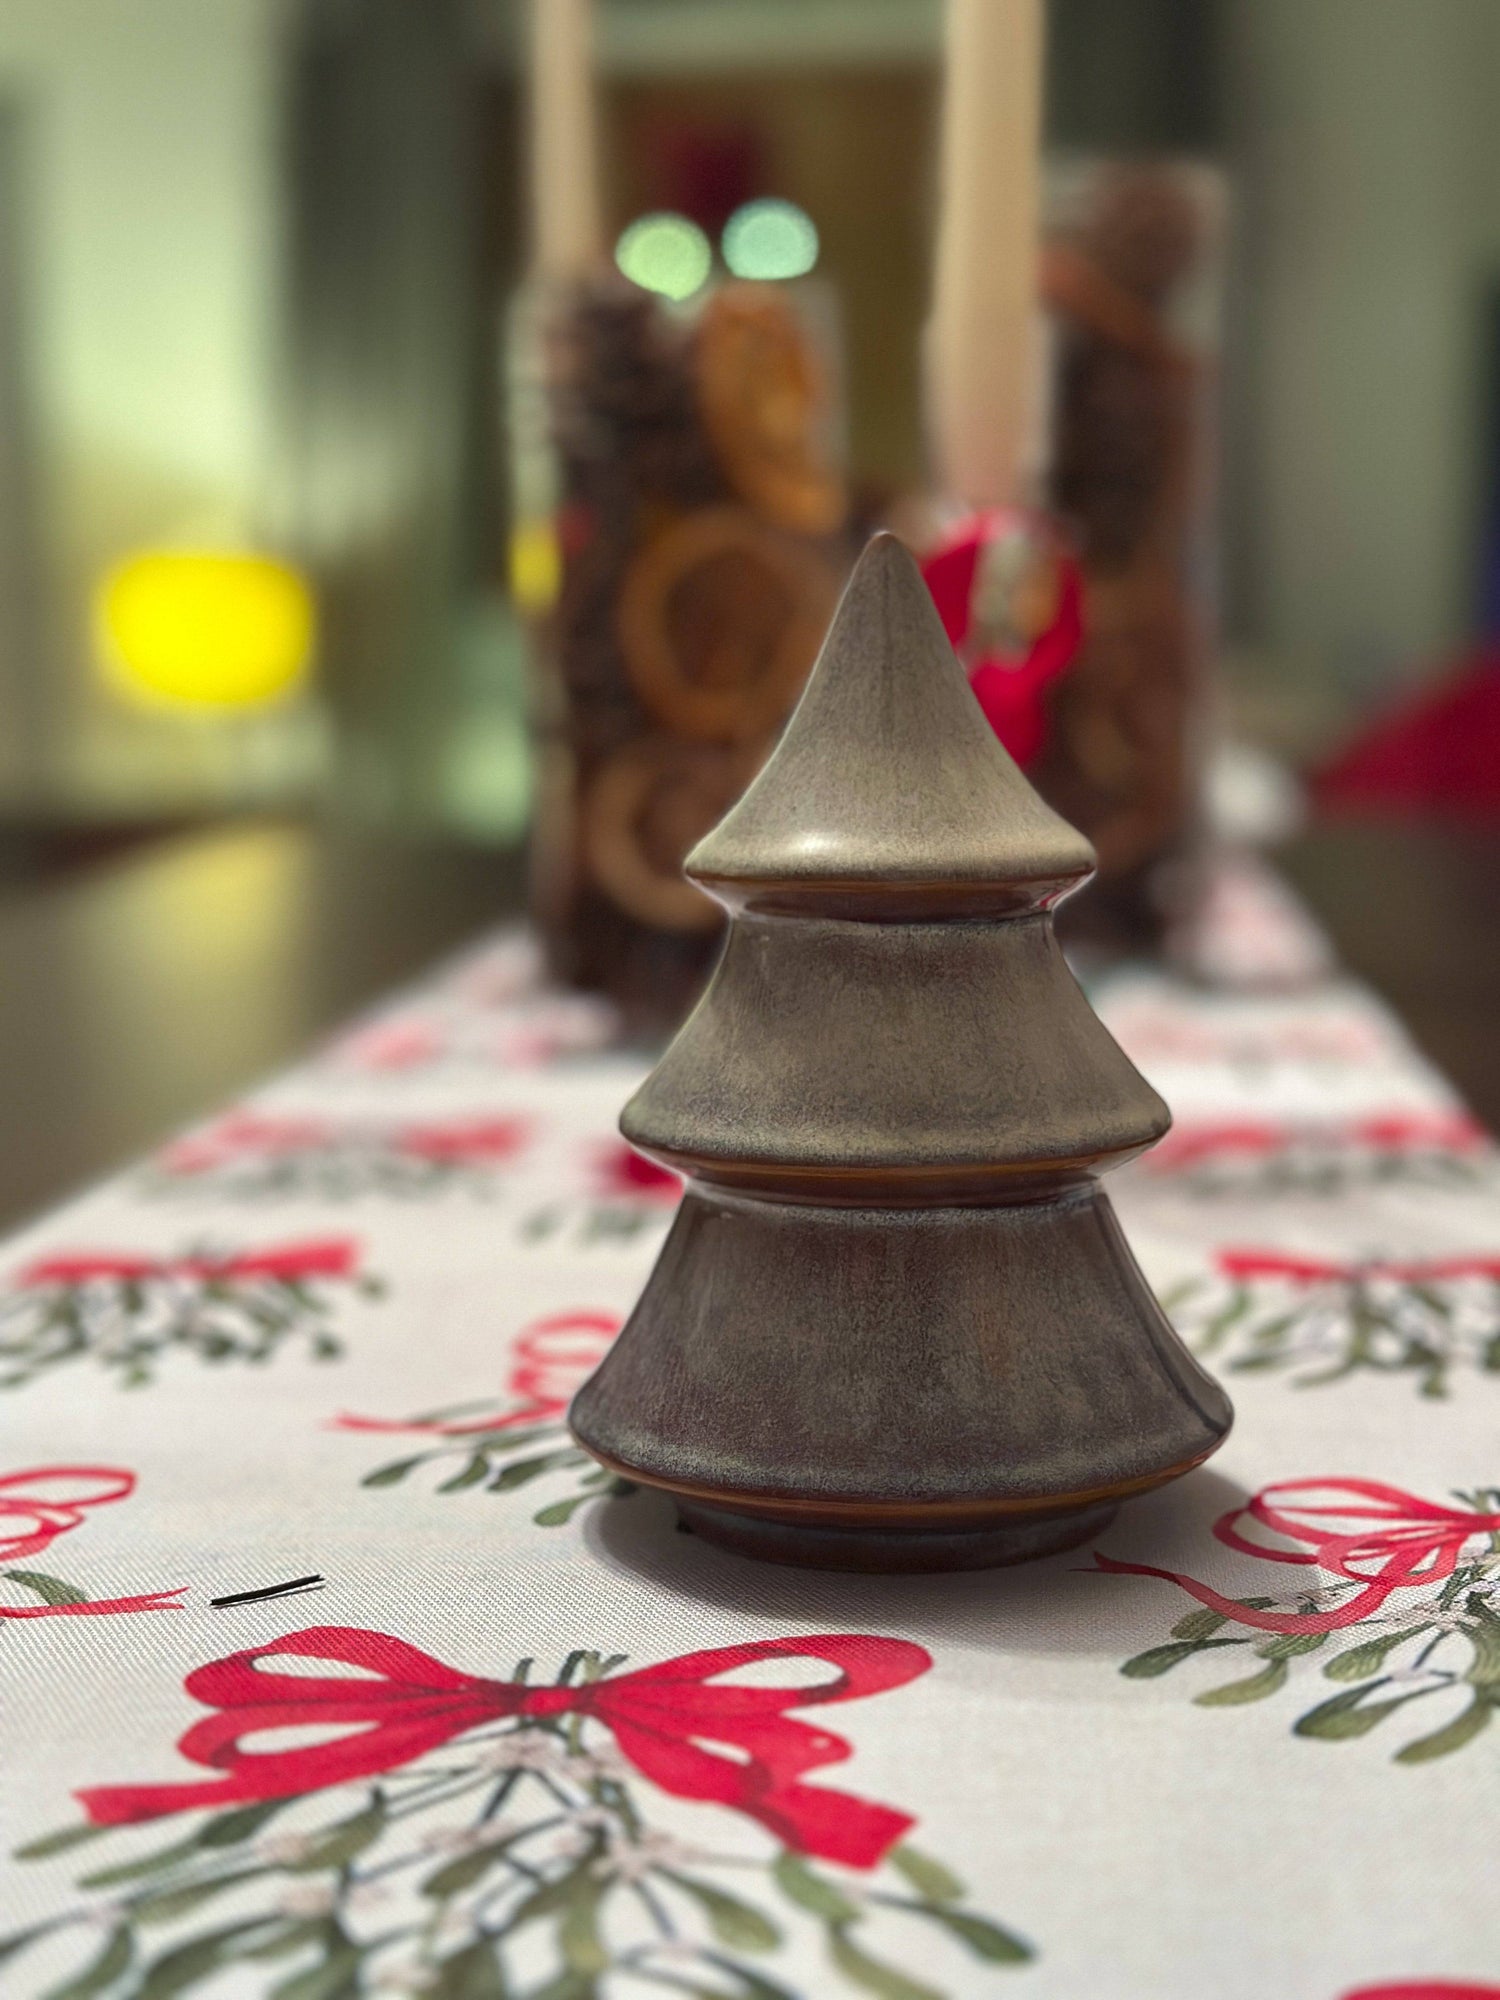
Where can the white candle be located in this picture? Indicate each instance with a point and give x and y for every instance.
(981, 364)
(567, 228)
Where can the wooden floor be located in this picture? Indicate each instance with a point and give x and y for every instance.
(144, 992)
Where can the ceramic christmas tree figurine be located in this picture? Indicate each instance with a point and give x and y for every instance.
(895, 1324)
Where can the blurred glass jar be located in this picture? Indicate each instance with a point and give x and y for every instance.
(1132, 284)
(681, 537)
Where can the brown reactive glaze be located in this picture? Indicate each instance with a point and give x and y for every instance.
(895, 1324)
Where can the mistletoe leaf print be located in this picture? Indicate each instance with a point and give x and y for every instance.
(1319, 1321)
(1261, 1158)
(531, 1031)
(487, 1837)
(626, 1196)
(256, 1157)
(128, 1311)
(501, 1445)
(1418, 1581)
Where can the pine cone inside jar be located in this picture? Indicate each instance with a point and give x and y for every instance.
(681, 634)
(1144, 233)
(628, 414)
(1118, 438)
(621, 361)
(763, 399)
(1116, 756)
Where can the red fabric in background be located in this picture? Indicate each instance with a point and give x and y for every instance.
(1008, 689)
(1435, 752)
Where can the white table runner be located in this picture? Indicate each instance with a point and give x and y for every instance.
(527, 1739)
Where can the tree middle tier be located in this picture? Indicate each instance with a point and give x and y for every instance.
(915, 1064)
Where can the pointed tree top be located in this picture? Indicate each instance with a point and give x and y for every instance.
(889, 794)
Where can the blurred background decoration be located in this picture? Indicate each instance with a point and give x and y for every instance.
(676, 428)
(255, 267)
(200, 629)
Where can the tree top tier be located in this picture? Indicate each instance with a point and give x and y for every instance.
(889, 796)
(892, 1020)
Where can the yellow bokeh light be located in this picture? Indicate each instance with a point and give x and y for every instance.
(205, 629)
(535, 567)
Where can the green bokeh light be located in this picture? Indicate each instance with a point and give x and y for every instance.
(665, 253)
(770, 239)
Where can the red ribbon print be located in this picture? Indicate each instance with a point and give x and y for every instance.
(1188, 1146)
(51, 1500)
(1319, 1271)
(479, 1139)
(1403, 1541)
(624, 1174)
(240, 1134)
(553, 1358)
(1427, 1989)
(324, 1257)
(390, 1045)
(669, 1721)
(246, 1136)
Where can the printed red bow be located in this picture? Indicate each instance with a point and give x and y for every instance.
(488, 1139)
(243, 1133)
(664, 1718)
(1427, 1989)
(1319, 1271)
(52, 1500)
(325, 1257)
(623, 1174)
(101, 1607)
(554, 1357)
(389, 1045)
(1410, 1542)
(1186, 1145)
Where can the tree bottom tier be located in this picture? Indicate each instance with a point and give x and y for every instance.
(894, 1388)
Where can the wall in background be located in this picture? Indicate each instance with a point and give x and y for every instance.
(20, 583)
(1364, 142)
(401, 212)
(145, 158)
(854, 147)
(152, 220)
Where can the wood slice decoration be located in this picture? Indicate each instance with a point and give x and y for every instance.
(765, 402)
(645, 808)
(688, 609)
(719, 621)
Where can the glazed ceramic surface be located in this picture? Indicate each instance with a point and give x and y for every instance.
(895, 1324)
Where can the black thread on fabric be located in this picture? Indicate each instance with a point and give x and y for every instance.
(270, 1590)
